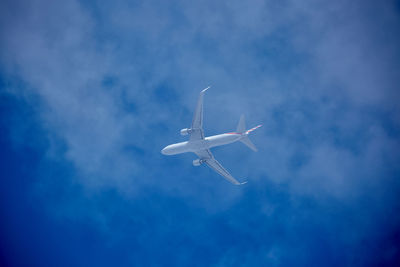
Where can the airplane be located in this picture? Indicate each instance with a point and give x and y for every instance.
(201, 145)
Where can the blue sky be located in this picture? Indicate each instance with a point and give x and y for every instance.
(91, 91)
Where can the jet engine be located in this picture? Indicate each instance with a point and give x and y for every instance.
(197, 162)
(186, 131)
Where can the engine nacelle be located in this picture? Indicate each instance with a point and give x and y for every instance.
(197, 162)
(186, 131)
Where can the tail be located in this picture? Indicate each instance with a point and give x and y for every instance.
(241, 128)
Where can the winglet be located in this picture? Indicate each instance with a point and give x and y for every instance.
(205, 89)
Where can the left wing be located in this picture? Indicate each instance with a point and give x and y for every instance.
(197, 123)
(209, 159)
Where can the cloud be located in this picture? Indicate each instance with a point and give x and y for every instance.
(116, 81)
(75, 49)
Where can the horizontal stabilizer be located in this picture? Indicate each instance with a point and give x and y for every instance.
(245, 140)
(252, 129)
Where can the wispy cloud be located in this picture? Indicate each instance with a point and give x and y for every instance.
(116, 82)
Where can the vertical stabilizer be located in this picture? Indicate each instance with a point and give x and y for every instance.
(241, 128)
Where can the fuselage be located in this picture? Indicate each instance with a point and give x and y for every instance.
(206, 143)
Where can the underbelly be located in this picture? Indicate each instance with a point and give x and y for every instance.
(177, 149)
(220, 140)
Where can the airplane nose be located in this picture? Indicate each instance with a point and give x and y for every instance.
(167, 150)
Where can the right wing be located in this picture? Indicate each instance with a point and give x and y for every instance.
(211, 162)
(197, 123)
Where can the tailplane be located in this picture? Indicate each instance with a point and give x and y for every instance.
(246, 140)
(241, 128)
(252, 129)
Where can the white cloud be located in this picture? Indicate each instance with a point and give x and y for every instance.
(292, 66)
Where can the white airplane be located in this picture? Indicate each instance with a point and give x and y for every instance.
(201, 145)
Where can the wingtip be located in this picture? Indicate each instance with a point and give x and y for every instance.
(243, 183)
(206, 89)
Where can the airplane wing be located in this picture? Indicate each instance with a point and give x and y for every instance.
(204, 154)
(197, 123)
(209, 159)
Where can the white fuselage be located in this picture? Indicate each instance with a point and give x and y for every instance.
(208, 142)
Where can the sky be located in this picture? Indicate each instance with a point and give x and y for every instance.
(91, 91)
